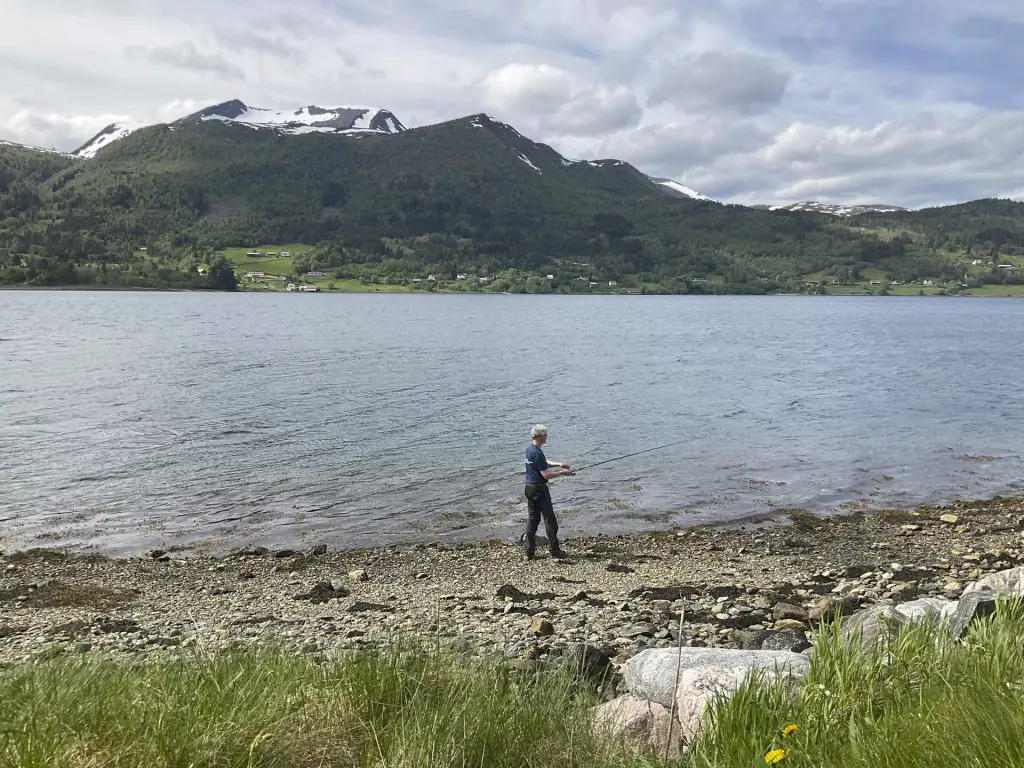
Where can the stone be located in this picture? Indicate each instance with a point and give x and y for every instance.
(788, 611)
(321, 592)
(972, 605)
(361, 606)
(509, 592)
(618, 568)
(317, 551)
(541, 627)
(647, 724)
(1009, 583)
(794, 640)
(750, 639)
(951, 519)
(284, 553)
(789, 624)
(926, 608)
(824, 608)
(699, 684)
(588, 660)
(676, 592)
(359, 575)
(638, 630)
(872, 626)
(651, 674)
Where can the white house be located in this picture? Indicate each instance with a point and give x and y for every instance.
(612, 283)
(551, 277)
(314, 274)
(483, 280)
(460, 276)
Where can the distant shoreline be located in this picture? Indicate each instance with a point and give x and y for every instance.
(136, 289)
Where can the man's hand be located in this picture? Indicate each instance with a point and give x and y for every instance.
(569, 472)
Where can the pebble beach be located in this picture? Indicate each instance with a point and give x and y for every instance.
(756, 585)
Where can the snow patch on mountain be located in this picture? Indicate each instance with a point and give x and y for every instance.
(527, 160)
(834, 209)
(343, 119)
(309, 119)
(676, 189)
(107, 136)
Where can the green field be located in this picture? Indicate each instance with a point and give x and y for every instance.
(272, 264)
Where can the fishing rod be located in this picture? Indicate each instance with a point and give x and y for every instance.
(630, 455)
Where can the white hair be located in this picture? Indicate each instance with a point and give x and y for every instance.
(538, 429)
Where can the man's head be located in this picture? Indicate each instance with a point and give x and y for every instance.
(539, 433)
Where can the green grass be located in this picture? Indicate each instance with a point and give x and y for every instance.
(921, 701)
(998, 290)
(270, 708)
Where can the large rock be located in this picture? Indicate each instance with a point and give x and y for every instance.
(645, 723)
(699, 685)
(872, 626)
(973, 605)
(926, 608)
(1004, 584)
(876, 625)
(651, 674)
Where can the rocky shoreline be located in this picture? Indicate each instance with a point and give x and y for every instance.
(751, 586)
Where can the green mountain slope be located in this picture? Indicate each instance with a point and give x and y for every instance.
(469, 194)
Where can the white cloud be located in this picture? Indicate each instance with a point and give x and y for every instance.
(746, 100)
(51, 131)
(549, 99)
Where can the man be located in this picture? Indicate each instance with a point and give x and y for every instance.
(538, 498)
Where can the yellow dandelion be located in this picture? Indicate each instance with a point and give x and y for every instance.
(775, 756)
(790, 729)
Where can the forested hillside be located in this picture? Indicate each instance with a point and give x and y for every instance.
(469, 195)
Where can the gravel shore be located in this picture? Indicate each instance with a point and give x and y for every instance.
(750, 585)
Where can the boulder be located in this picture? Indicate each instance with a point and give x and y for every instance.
(872, 625)
(699, 685)
(645, 723)
(651, 674)
(973, 605)
(1005, 584)
(924, 608)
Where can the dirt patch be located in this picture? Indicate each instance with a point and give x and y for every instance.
(55, 594)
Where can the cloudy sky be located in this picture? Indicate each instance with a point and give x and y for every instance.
(908, 102)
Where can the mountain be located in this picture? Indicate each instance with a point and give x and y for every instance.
(374, 201)
(833, 209)
(310, 119)
(28, 147)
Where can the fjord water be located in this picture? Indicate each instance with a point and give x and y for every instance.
(215, 421)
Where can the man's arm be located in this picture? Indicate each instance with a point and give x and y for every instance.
(565, 470)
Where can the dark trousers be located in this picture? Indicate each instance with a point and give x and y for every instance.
(538, 504)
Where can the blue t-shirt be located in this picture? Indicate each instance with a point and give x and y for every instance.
(535, 463)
